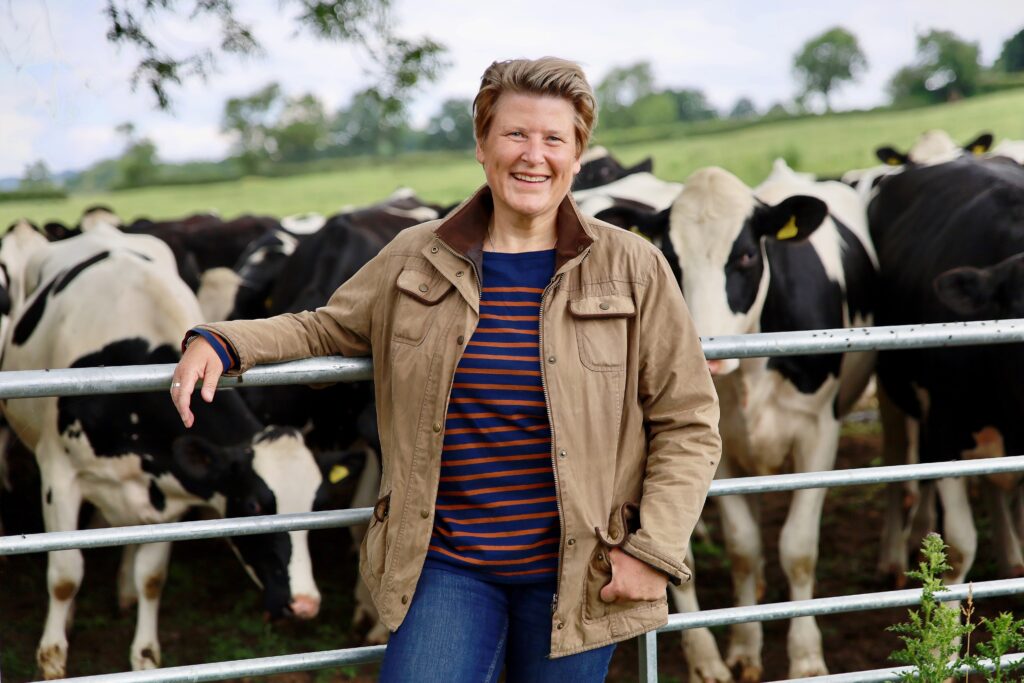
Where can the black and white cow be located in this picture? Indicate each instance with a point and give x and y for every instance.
(598, 167)
(790, 255)
(950, 240)
(110, 300)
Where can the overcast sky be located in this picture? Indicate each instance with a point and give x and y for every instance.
(63, 88)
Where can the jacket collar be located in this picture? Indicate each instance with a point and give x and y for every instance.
(465, 228)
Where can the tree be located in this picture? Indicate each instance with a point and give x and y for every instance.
(617, 92)
(692, 105)
(828, 60)
(138, 164)
(301, 131)
(397, 64)
(946, 68)
(743, 109)
(251, 120)
(37, 176)
(1012, 57)
(452, 126)
(366, 126)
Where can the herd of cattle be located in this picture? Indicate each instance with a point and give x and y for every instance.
(933, 235)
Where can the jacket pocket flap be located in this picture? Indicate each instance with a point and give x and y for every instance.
(424, 287)
(611, 306)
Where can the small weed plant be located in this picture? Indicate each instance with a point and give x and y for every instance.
(932, 636)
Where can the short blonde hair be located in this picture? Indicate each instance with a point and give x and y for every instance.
(545, 76)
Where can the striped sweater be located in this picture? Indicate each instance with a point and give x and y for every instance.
(496, 513)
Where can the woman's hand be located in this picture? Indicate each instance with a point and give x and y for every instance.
(633, 579)
(200, 361)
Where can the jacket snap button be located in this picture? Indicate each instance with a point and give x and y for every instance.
(405, 599)
(561, 453)
(461, 340)
(551, 359)
(559, 626)
(424, 288)
(571, 541)
(600, 557)
(437, 426)
(424, 513)
(604, 306)
(433, 250)
(458, 274)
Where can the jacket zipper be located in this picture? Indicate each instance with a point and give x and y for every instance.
(547, 405)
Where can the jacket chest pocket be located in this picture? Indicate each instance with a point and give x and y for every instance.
(419, 295)
(602, 330)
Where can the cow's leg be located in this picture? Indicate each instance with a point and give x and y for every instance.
(959, 531)
(892, 561)
(65, 568)
(127, 595)
(743, 544)
(815, 450)
(702, 657)
(1000, 505)
(150, 575)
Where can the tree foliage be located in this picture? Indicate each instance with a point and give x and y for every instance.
(1011, 58)
(622, 87)
(946, 68)
(452, 126)
(743, 109)
(828, 60)
(37, 176)
(397, 64)
(251, 120)
(138, 165)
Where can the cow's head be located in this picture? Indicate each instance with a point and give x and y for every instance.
(984, 293)
(598, 167)
(718, 229)
(932, 147)
(274, 474)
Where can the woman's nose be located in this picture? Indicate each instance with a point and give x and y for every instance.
(533, 153)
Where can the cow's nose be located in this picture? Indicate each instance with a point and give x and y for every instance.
(305, 606)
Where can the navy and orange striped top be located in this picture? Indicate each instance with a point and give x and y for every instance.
(496, 513)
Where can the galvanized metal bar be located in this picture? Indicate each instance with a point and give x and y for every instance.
(647, 649)
(132, 378)
(866, 475)
(864, 339)
(180, 531)
(124, 379)
(262, 666)
(879, 675)
(836, 605)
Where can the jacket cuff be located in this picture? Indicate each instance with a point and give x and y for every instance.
(677, 572)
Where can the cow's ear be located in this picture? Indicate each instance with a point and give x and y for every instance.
(965, 291)
(979, 145)
(338, 466)
(647, 224)
(645, 166)
(890, 157)
(198, 459)
(792, 219)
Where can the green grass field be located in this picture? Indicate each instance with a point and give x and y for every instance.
(827, 145)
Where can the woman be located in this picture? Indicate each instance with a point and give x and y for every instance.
(549, 428)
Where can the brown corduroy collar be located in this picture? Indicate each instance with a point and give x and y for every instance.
(465, 228)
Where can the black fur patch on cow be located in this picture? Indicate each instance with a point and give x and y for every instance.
(743, 270)
(156, 497)
(274, 433)
(65, 278)
(859, 273)
(801, 297)
(30, 318)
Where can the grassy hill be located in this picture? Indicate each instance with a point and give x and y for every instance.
(827, 145)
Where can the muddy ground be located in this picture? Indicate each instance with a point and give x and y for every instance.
(211, 610)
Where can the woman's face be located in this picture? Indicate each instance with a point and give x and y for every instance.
(529, 154)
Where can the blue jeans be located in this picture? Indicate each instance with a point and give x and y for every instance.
(461, 629)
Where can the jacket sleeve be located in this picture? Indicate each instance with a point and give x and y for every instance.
(342, 327)
(681, 415)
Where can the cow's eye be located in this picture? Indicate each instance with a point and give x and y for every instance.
(746, 260)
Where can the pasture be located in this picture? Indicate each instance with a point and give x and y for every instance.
(826, 145)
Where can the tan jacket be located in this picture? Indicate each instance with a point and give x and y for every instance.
(634, 414)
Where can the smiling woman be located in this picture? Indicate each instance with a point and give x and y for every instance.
(547, 421)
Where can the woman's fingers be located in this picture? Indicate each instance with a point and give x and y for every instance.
(199, 361)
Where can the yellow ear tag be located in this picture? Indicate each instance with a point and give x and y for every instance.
(893, 161)
(338, 472)
(636, 231)
(978, 150)
(789, 230)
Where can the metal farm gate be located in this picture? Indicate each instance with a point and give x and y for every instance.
(34, 383)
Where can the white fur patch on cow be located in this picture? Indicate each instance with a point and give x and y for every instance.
(640, 188)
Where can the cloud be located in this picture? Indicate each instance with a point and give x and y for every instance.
(17, 133)
(183, 142)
